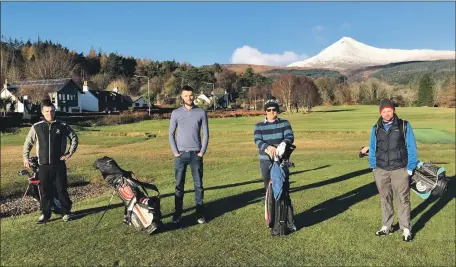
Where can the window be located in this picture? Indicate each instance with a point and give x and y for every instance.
(106, 99)
(60, 97)
(68, 96)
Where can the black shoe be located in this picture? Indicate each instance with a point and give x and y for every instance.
(176, 218)
(43, 219)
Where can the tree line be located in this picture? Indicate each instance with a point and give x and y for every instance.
(48, 60)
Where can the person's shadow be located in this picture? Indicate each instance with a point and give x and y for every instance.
(334, 206)
(438, 205)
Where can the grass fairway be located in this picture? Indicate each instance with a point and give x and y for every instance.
(336, 203)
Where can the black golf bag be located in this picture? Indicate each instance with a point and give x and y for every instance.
(141, 211)
(278, 210)
(34, 185)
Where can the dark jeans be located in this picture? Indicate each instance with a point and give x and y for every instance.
(264, 167)
(53, 179)
(180, 167)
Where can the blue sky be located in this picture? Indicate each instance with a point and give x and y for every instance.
(275, 33)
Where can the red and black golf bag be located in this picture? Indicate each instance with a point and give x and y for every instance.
(141, 211)
(34, 184)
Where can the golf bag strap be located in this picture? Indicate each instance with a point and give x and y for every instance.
(144, 185)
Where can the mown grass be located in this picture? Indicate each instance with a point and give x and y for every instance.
(336, 204)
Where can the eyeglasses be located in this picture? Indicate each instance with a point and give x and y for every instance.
(271, 110)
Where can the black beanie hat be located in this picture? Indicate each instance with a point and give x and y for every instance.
(386, 103)
(271, 103)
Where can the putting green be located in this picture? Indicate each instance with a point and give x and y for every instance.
(434, 136)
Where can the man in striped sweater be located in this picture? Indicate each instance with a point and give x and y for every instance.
(269, 134)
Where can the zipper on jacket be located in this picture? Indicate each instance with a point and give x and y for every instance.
(49, 144)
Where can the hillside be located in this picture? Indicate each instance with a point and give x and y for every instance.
(402, 73)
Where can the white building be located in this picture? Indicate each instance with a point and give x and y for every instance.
(89, 102)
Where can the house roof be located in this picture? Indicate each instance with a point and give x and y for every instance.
(136, 98)
(97, 93)
(53, 85)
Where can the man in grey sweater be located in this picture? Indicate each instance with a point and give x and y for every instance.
(188, 149)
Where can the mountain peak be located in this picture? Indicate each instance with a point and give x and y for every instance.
(347, 53)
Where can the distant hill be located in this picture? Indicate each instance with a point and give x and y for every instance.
(313, 73)
(240, 68)
(404, 72)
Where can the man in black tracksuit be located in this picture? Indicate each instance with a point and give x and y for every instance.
(51, 136)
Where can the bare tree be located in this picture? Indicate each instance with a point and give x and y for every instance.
(307, 93)
(342, 94)
(282, 88)
(52, 64)
(35, 93)
(326, 87)
(225, 79)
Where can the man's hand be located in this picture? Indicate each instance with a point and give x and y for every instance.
(271, 151)
(26, 163)
(177, 155)
(65, 157)
(200, 154)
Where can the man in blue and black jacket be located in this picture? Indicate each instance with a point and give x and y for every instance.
(269, 134)
(393, 158)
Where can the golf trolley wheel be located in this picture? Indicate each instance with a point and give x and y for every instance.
(441, 187)
(421, 187)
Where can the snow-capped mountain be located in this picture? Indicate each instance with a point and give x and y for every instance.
(347, 53)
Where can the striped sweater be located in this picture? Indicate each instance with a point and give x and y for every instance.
(272, 133)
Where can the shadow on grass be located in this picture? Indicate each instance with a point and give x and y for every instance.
(438, 205)
(82, 213)
(335, 206)
(221, 206)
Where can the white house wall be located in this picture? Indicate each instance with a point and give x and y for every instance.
(88, 102)
(19, 107)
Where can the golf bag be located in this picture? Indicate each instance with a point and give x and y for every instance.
(141, 211)
(427, 179)
(278, 210)
(34, 185)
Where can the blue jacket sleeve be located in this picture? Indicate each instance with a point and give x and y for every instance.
(372, 149)
(411, 148)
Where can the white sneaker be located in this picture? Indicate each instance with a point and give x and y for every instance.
(384, 231)
(406, 235)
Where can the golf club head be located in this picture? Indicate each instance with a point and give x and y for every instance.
(23, 172)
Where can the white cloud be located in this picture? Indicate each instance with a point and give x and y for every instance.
(250, 55)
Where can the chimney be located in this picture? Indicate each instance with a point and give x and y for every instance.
(85, 87)
(115, 89)
(5, 85)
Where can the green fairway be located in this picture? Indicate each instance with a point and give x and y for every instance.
(335, 200)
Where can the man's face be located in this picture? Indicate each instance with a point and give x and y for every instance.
(387, 114)
(48, 113)
(271, 113)
(188, 97)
